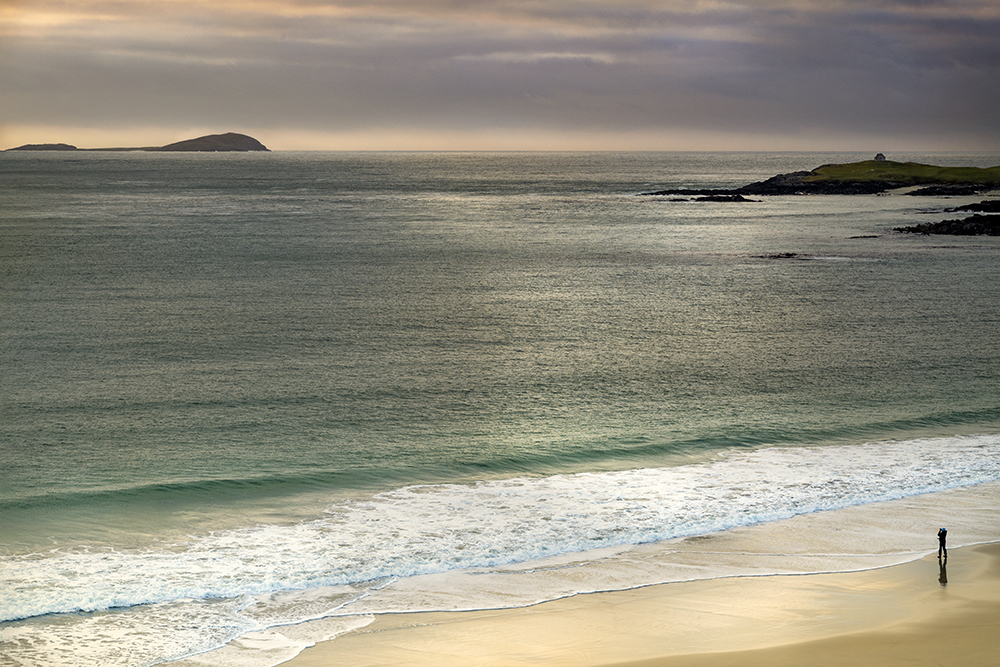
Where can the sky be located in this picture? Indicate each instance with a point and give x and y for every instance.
(870, 75)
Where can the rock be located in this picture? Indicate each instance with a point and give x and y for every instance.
(789, 184)
(685, 192)
(962, 190)
(712, 196)
(976, 225)
(725, 198)
(985, 206)
(794, 183)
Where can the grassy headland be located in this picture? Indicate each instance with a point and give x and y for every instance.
(871, 177)
(904, 173)
(864, 178)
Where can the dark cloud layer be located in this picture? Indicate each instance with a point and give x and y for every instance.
(915, 71)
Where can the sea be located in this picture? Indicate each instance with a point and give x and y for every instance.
(251, 401)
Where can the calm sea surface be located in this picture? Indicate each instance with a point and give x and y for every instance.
(245, 390)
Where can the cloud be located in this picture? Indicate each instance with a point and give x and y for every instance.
(843, 68)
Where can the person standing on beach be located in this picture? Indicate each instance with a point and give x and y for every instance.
(942, 536)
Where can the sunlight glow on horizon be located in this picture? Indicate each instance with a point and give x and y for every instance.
(504, 75)
(486, 141)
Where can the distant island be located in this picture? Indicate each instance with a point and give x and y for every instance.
(228, 142)
(875, 177)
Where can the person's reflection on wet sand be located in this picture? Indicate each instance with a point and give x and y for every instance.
(943, 576)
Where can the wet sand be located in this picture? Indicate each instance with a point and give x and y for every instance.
(911, 614)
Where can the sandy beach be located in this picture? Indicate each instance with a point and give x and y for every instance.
(918, 613)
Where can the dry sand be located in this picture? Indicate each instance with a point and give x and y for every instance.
(901, 615)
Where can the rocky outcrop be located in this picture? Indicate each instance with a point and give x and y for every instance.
(976, 225)
(798, 183)
(713, 197)
(985, 206)
(951, 190)
(788, 184)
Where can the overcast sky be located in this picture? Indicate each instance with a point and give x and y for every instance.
(505, 74)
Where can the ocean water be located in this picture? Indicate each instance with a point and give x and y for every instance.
(245, 391)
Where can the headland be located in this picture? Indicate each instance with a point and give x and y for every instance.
(864, 178)
(211, 143)
(872, 177)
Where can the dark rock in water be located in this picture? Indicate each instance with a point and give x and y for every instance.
(725, 198)
(985, 206)
(713, 196)
(44, 147)
(230, 141)
(794, 183)
(976, 225)
(781, 186)
(686, 192)
(958, 190)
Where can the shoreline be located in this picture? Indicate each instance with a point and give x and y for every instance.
(809, 577)
(886, 616)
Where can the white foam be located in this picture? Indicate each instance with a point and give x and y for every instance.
(458, 546)
(856, 538)
(275, 645)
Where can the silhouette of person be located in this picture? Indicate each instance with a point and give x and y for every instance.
(942, 536)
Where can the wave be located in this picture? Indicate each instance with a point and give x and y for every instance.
(494, 544)
(603, 454)
(643, 450)
(199, 490)
(427, 529)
